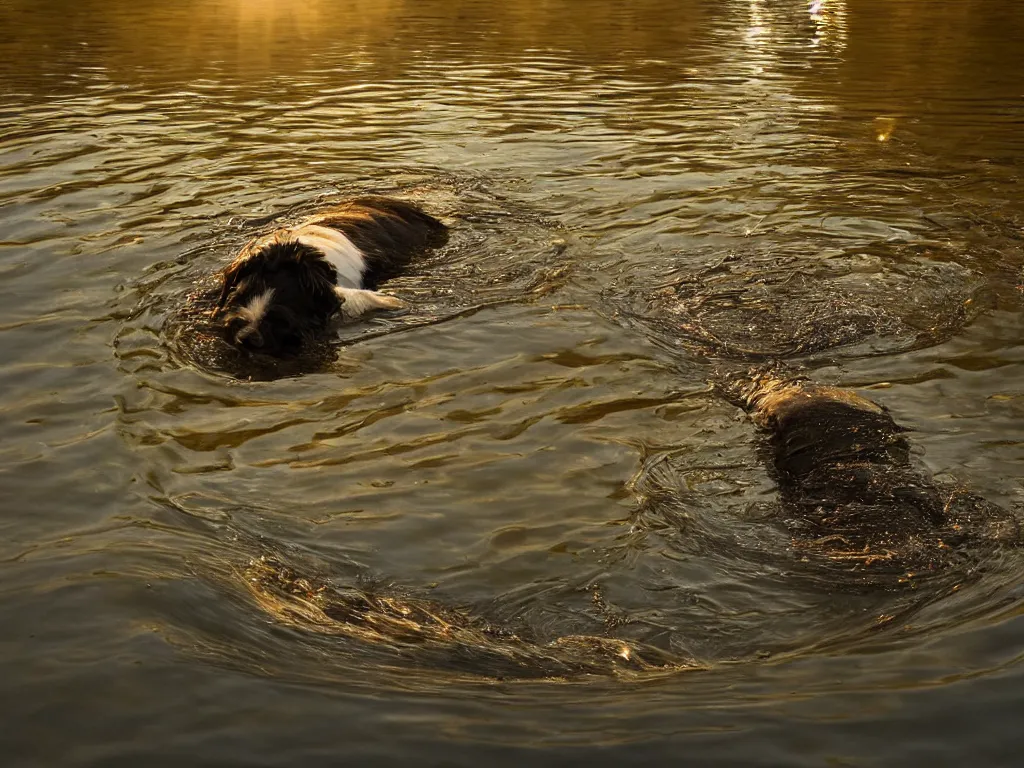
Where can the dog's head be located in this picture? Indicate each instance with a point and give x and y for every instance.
(276, 298)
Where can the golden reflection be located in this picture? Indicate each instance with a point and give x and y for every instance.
(883, 127)
(254, 38)
(273, 33)
(407, 625)
(829, 18)
(305, 20)
(757, 29)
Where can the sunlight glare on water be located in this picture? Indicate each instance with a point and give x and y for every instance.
(518, 521)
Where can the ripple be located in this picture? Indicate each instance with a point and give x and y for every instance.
(646, 196)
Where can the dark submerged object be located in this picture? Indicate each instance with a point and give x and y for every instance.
(849, 490)
(280, 294)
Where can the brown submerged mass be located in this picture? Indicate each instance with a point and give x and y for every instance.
(850, 491)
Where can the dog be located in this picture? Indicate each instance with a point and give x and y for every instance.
(849, 486)
(285, 288)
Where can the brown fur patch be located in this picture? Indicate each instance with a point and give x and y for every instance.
(850, 491)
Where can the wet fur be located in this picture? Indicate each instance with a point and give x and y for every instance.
(849, 488)
(306, 294)
(388, 232)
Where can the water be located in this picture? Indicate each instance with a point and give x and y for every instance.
(644, 197)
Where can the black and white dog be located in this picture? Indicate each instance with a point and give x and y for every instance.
(284, 288)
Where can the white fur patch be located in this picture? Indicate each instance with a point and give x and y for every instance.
(356, 302)
(258, 305)
(253, 312)
(337, 249)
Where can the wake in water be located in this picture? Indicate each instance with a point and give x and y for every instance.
(761, 306)
(862, 517)
(439, 636)
(858, 514)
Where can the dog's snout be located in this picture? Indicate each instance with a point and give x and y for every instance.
(249, 337)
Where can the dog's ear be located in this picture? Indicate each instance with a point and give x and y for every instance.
(231, 278)
(233, 275)
(316, 274)
(318, 277)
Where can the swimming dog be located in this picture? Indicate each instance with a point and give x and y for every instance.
(849, 487)
(284, 288)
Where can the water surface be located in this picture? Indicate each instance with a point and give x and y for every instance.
(644, 196)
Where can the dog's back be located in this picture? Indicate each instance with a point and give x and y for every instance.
(850, 489)
(388, 232)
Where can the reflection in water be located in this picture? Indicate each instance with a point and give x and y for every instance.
(884, 126)
(829, 20)
(758, 27)
(644, 196)
(442, 640)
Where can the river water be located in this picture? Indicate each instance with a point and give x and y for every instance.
(516, 523)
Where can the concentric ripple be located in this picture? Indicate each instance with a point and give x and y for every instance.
(516, 523)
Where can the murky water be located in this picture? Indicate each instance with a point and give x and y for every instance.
(516, 522)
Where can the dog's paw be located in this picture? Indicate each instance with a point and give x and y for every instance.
(384, 301)
(356, 302)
